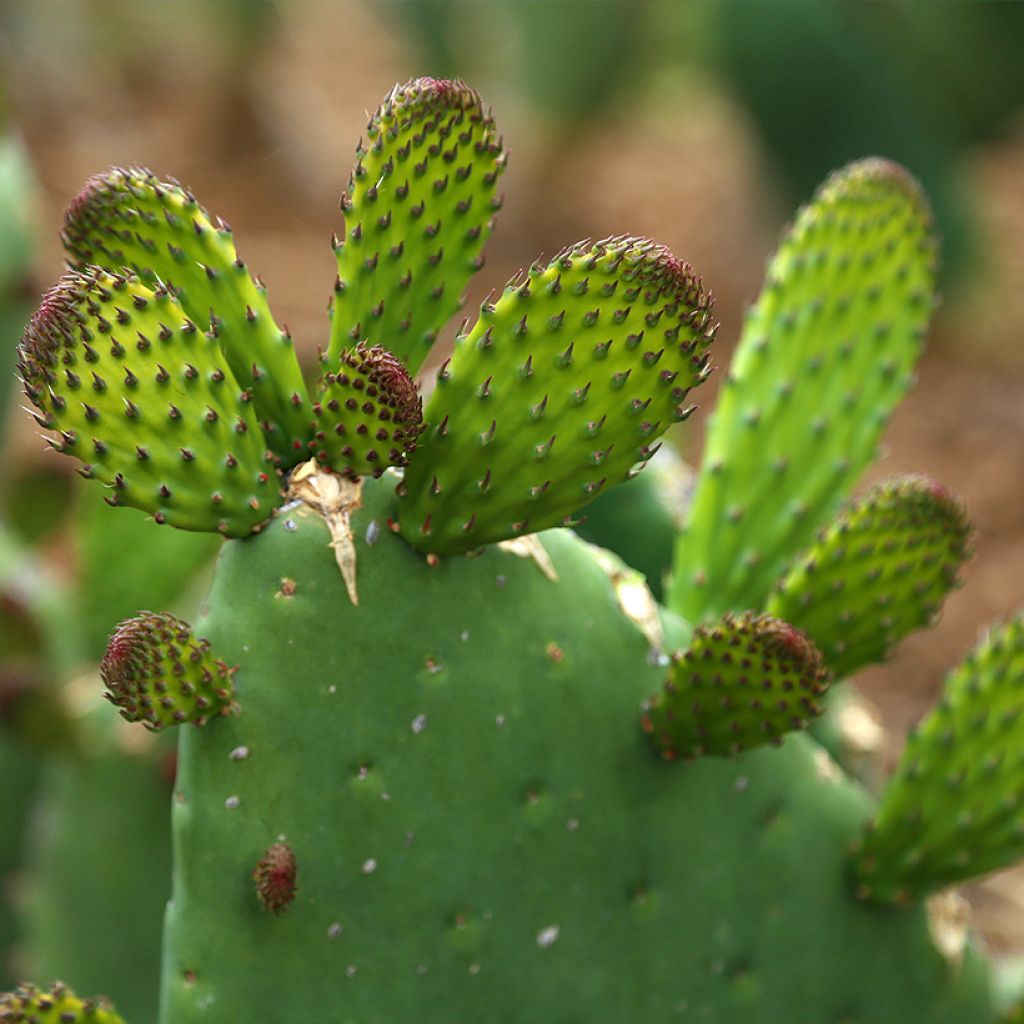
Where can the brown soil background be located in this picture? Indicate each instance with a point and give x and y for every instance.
(268, 146)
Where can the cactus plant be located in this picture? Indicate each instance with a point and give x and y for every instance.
(433, 793)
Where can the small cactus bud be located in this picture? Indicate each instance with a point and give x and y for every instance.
(58, 1005)
(561, 388)
(157, 673)
(274, 875)
(740, 684)
(419, 207)
(368, 415)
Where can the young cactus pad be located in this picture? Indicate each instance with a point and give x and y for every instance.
(955, 807)
(419, 207)
(879, 572)
(127, 217)
(827, 352)
(139, 394)
(563, 386)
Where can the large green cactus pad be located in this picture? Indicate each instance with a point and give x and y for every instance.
(561, 388)
(139, 394)
(482, 830)
(955, 808)
(879, 572)
(56, 1005)
(826, 353)
(128, 218)
(740, 684)
(418, 209)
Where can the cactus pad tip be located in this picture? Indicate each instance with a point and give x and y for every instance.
(158, 673)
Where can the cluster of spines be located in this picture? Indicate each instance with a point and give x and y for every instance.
(878, 572)
(954, 808)
(129, 218)
(419, 207)
(57, 1005)
(742, 683)
(138, 394)
(368, 415)
(561, 388)
(158, 673)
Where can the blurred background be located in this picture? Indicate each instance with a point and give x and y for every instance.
(702, 125)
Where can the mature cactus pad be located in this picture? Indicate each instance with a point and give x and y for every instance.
(57, 1005)
(158, 673)
(419, 207)
(561, 388)
(955, 809)
(142, 397)
(482, 829)
(879, 572)
(827, 352)
(740, 684)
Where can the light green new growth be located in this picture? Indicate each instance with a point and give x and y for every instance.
(954, 808)
(58, 1005)
(158, 673)
(126, 217)
(827, 351)
(560, 389)
(418, 210)
(879, 572)
(740, 684)
(368, 414)
(140, 395)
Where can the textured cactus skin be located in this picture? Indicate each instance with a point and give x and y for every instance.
(561, 387)
(881, 570)
(418, 209)
(841, 318)
(954, 808)
(127, 217)
(513, 848)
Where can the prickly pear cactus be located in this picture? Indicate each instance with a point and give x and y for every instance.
(486, 787)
